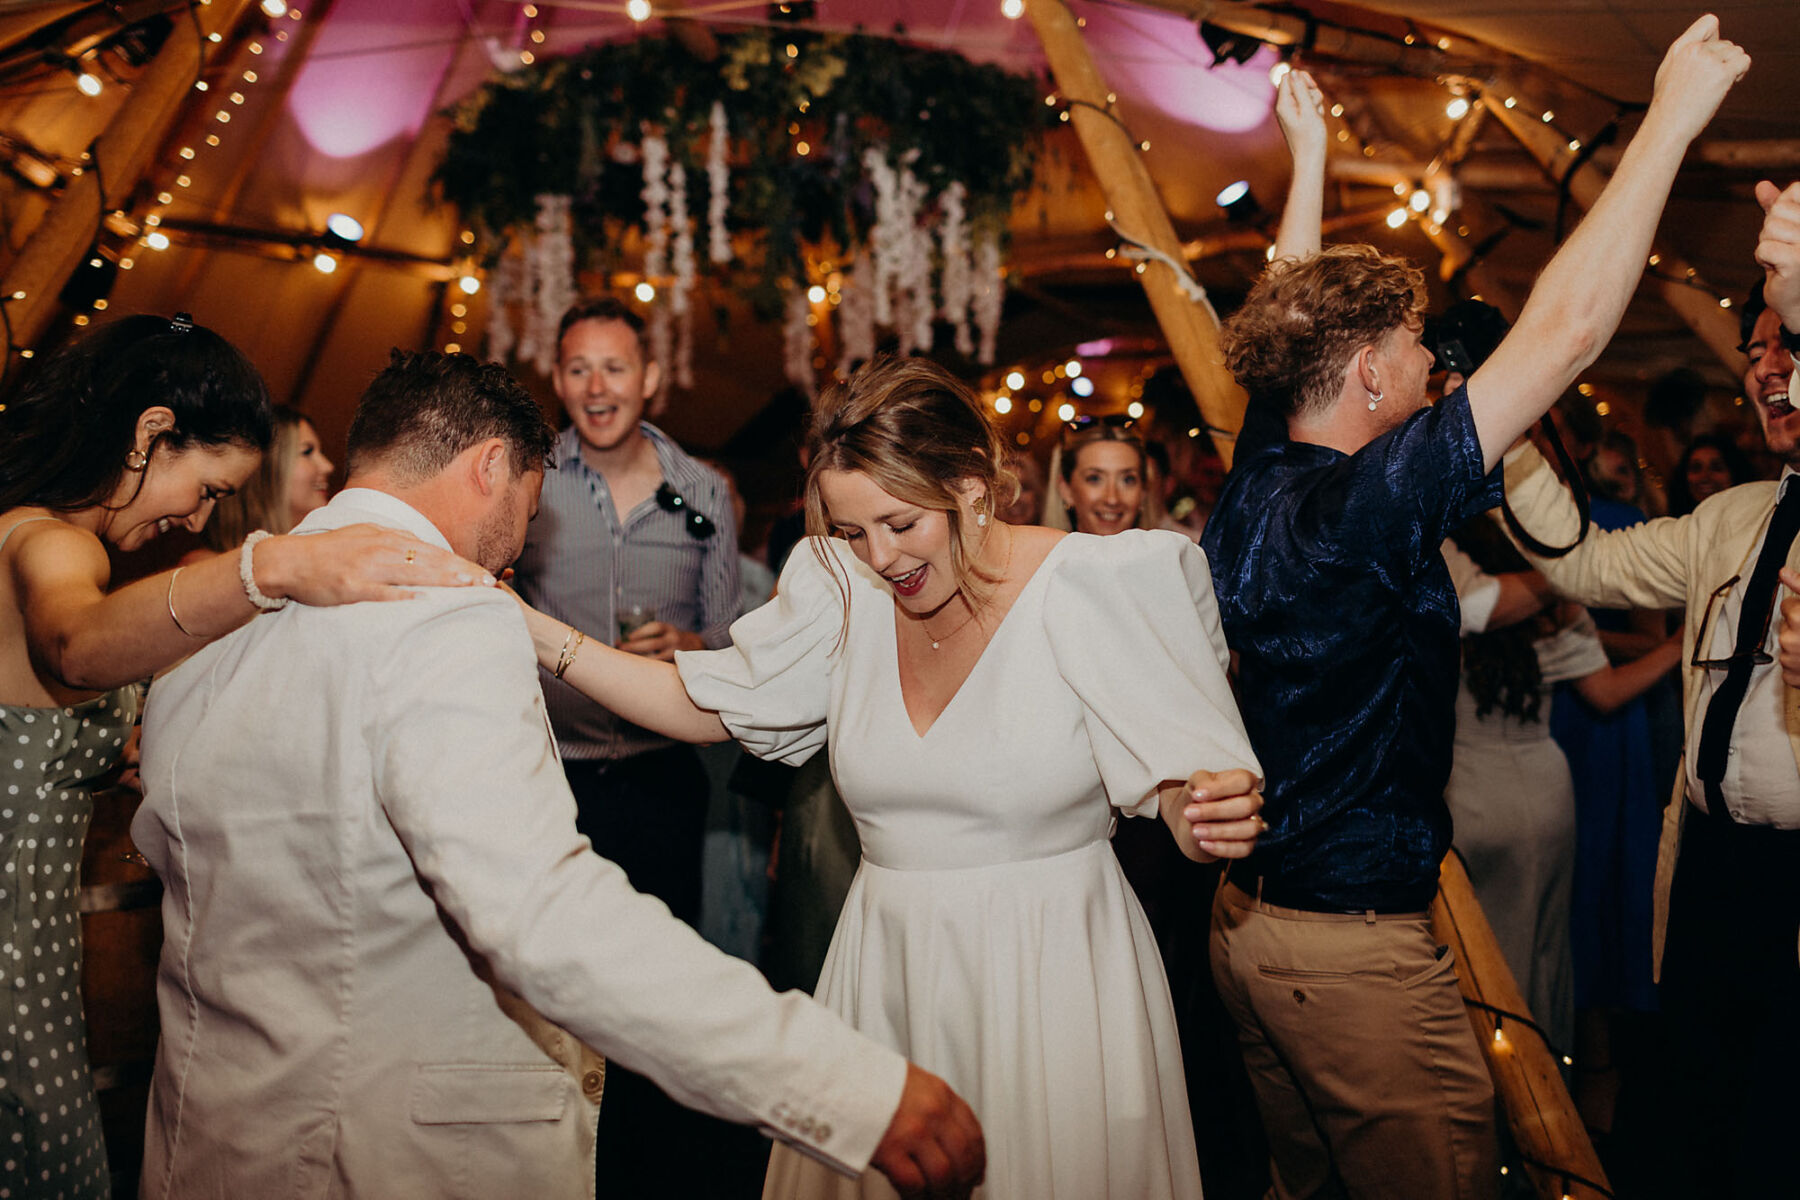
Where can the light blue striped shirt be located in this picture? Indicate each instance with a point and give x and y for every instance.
(581, 562)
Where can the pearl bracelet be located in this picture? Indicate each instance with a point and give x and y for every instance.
(247, 573)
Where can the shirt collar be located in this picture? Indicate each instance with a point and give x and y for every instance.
(568, 446)
(392, 510)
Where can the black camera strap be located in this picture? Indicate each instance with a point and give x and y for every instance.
(1572, 476)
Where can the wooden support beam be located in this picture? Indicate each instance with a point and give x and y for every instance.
(1190, 327)
(121, 155)
(1527, 1078)
(1715, 326)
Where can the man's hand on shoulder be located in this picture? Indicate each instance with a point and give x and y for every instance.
(933, 1147)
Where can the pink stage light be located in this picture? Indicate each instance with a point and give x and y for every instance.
(1158, 59)
(347, 100)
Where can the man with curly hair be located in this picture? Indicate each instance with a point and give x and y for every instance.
(1333, 593)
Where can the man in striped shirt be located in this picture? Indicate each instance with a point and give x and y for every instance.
(637, 541)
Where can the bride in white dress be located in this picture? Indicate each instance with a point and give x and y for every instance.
(991, 696)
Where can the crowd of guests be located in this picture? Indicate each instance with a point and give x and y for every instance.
(420, 929)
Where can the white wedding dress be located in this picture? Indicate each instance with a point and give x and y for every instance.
(989, 934)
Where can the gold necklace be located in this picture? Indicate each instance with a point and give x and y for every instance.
(938, 641)
(973, 610)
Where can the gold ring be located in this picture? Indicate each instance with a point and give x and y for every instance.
(411, 554)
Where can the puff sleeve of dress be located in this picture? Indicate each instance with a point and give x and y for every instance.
(771, 686)
(1134, 630)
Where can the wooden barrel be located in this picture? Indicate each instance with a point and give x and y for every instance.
(121, 939)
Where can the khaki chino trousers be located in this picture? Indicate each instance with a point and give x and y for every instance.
(1365, 1066)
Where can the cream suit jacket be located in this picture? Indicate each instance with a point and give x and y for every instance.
(370, 855)
(1665, 563)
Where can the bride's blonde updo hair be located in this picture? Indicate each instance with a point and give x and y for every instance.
(918, 433)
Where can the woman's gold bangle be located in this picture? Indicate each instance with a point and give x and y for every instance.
(176, 574)
(570, 648)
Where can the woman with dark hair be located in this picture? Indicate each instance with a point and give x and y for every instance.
(143, 425)
(989, 934)
(1711, 463)
(1510, 791)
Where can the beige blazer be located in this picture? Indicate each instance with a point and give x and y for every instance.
(1665, 563)
(373, 879)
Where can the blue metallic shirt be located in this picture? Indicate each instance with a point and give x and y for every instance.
(1337, 601)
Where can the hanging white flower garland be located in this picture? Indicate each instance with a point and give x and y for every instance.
(554, 252)
(797, 341)
(718, 188)
(913, 303)
(855, 320)
(955, 282)
(680, 295)
(892, 286)
(654, 153)
(888, 237)
(504, 289)
(990, 294)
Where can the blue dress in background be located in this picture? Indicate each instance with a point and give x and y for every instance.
(1618, 819)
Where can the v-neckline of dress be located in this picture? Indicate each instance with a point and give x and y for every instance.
(894, 646)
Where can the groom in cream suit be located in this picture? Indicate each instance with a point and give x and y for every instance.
(375, 888)
(1727, 878)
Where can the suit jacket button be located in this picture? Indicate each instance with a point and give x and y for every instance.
(592, 1083)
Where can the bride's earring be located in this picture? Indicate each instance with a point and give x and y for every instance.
(981, 512)
(1374, 399)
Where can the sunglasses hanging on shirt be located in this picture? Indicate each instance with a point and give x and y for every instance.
(698, 524)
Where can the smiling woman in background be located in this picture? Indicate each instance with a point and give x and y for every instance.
(294, 479)
(1102, 479)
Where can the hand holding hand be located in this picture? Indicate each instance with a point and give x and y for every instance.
(1778, 250)
(660, 640)
(1694, 77)
(358, 562)
(1787, 643)
(933, 1147)
(1223, 812)
(1300, 110)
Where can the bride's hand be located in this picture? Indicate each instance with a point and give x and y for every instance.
(1222, 812)
(355, 563)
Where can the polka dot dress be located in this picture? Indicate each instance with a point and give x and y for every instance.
(50, 1138)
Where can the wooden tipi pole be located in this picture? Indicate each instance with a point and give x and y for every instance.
(120, 156)
(1190, 327)
(1545, 1125)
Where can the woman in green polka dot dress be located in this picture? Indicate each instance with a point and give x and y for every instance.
(137, 428)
